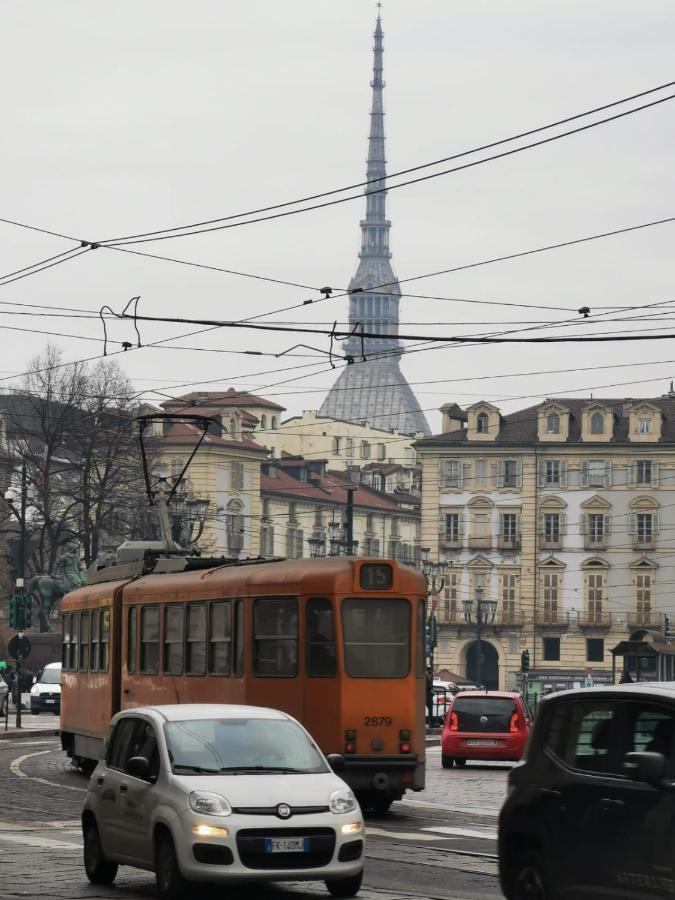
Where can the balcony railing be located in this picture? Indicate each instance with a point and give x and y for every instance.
(552, 618)
(504, 617)
(594, 619)
(510, 542)
(514, 618)
(648, 618)
(548, 542)
(450, 542)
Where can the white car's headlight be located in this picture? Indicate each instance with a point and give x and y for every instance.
(342, 801)
(209, 804)
(35, 690)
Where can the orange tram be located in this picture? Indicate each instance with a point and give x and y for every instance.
(336, 642)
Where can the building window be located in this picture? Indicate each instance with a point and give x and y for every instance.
(644, 527)
(595, 591)
(509, 526)
(450, 597)
(643, 592)
(365, 450)
(511, 473)
(552, 649)
(452, 472)
(597, 423)
(644, 426)
(595, 473)
(237, 476)
(263, 422)
(274, 422)
(234, 527)
(482, 423)
(381, 451)
(551, 585)
(294, 543)
(509, 589)
(480, 474)
(553, 423)
(552, 528)
(553, 472)
(453, 528)
(336, 446)
(596, 527)
(595, 650)
(267, 540)
(644, 472)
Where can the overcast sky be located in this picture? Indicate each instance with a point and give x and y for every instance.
(137, 116)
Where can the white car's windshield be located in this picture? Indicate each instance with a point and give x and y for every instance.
(207, 746)
(51, 676)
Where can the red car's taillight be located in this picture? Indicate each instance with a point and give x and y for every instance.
(453, 722)
(513, 724)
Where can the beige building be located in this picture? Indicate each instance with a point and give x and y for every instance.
(304, 510)
(342, 444)
(563, 515)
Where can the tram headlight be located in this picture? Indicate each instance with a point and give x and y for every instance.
(209, 804)
(343, 801)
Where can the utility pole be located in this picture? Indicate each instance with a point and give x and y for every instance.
(349, 520)
(19, 609)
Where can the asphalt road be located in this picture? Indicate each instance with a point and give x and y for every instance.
(437, 845)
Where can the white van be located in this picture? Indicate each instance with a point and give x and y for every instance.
(45, 695)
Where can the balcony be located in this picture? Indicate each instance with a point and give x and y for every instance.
(643, 542)
(505, 618)
(594, 619)
(450, 542)
(480, 542)
(549, 542)
(648, 618)
(554, 619)
(509, 618)
(508, 544)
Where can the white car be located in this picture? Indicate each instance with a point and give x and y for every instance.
(220, 793)
(4, 696)
(45, 695)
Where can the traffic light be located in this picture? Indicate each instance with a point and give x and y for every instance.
(666, 628)
(27, 611)
(20, 611)
(525, 661)
(13, 610)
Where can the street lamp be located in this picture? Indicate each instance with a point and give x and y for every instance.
(339, 540)
(434, 572)
(20, 600)
(317, 546)
(479, 612)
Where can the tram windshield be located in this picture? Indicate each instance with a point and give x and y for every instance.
(376, 637)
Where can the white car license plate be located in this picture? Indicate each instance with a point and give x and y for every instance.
(286, 845)
(482, 743)
(50, 701)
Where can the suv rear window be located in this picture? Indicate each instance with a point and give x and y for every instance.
(496, 710)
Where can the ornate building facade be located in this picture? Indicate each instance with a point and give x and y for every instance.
(375, 391)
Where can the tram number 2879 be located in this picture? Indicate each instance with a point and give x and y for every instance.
(377, 721)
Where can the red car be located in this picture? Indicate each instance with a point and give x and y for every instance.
(490, 725)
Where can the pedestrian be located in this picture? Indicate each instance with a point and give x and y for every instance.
(625, 677)
(10, 679)
(430, 697)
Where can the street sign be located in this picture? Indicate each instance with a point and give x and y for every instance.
(19, 646)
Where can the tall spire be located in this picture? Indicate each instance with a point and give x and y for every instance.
(375, 391)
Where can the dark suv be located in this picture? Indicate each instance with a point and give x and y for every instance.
(591, 811)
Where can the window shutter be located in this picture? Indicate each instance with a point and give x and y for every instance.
(460, 524)
(632, 474)
(466, 477)
(584, 473)
(655, 473)
(632, 523)
(441, 523)
(540, 523)
(563, 523)
(583, 523)
(500, 474)
(607, 524)
(563, 473)
(519, 473)
(541, 473)
(442, 472)
(460, 474)
(519, 524)
(608, 473)
(656, 523)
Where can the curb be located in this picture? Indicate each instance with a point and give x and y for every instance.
(13, 733)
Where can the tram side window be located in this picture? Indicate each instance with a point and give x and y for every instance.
(65, 645)
(196, 639)
(95, 638)
(173, 639)
(104, 640)
(275, 637)
(85, 635)
(150, 640)
(377, 637)
(131, 640)
(220, 638)
(238, 662)
(320, 635)
(74, 663)
(419, 640)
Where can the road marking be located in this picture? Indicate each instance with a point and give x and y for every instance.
(70, 825)
(462, 832)
(6, 743)
(35, 840)
(489, 812)
(15, 769)
(405, 835)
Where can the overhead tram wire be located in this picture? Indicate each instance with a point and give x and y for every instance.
(401, 172)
